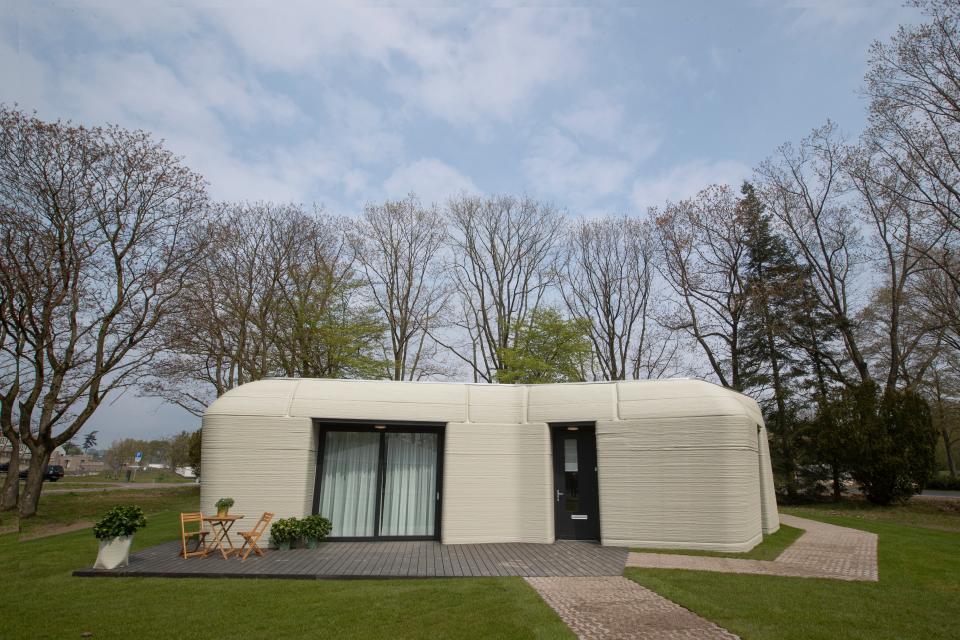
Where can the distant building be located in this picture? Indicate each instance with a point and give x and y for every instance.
(78, 463)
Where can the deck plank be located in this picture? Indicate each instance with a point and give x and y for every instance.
(391, 559)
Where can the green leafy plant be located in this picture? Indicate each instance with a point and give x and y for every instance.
(285, 530)
(316, 527)
(122, 520)
(224, 503)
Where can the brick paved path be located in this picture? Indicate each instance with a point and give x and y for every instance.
(614, 608)
(823, 551)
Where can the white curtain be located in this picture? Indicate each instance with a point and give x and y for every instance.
(409, 496)
(348, 493)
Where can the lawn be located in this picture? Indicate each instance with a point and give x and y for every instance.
(771, 547)
(917, 592)
(930, 513)
(147, 476)
(59, 509)
(50, 603)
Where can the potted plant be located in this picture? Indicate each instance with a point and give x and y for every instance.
(223, 507)
(115, 532)
(314, 529)
(284, 531)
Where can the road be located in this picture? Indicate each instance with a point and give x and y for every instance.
(937, 493)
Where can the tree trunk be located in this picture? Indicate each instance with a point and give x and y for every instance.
(11, 484)
(34, 485)
(951, 464)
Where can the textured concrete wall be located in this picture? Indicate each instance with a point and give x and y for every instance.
(263, 463)
(497, 484)
(687, 483)
(681, 463)
(768, 495)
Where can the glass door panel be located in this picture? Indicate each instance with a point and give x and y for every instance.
(348, 495)
(410, 485)
(571, 470)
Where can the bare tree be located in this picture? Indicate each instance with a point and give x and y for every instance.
(504, 252)
(898, 244)
(803, 187)
(95, 252)
(914, 90)
(398, 247)
(252, 304)
(608, 279)
(703, 248)
(218, 337)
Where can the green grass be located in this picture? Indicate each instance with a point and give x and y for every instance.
(771, 547)
(148, 476)
(918, 512)
(47, 602)
(917, 591)
(61, 509)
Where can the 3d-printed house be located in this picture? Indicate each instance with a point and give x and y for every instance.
(666, 463)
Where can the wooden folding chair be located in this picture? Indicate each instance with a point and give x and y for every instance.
(187, 532)
(250, 538)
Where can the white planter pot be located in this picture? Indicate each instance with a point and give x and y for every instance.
(114, 553)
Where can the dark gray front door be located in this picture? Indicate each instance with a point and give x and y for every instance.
(576, 499)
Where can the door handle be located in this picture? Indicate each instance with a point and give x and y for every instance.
(559, 493)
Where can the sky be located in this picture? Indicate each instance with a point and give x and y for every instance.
(603, 107)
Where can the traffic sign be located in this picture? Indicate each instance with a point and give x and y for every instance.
(138, 457)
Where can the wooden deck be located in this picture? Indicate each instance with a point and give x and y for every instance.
(416, 559)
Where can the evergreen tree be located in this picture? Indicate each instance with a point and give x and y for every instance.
(774, 283)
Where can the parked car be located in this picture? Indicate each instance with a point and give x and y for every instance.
(52, 473)
(4, 467)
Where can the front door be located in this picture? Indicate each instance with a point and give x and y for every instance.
(576, 499)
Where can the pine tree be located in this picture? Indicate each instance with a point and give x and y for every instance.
(774, 293)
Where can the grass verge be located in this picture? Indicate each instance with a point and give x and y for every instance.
(47, 602)
(771, 547)
(931, 513)
(59, 509)
(917, 591)
(148, 476)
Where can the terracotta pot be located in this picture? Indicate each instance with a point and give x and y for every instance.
(114, 552)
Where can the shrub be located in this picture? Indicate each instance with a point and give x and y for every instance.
(285, 530)
(224, 503)
(944, 484)
(891, 443)
(122, 520)
(315, 526)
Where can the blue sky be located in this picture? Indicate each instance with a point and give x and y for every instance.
(600, 107)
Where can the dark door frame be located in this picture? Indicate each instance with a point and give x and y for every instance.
(324, 425)
(557, 429)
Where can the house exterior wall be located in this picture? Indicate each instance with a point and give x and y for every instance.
(681, 463)
(265, 463)
(688, 483)
(497, 484)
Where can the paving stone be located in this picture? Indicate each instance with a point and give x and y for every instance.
(823, 551)
(614, 607)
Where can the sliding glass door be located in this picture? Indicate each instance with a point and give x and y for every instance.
(349, 497)
(380, 483)
(410, 485)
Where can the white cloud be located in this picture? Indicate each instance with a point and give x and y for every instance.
(430, 179)
(589, 153)
(815, 16)
(685, 180)
(459, 65)
(558, 167)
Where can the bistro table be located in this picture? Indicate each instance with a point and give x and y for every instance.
(221, 525)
